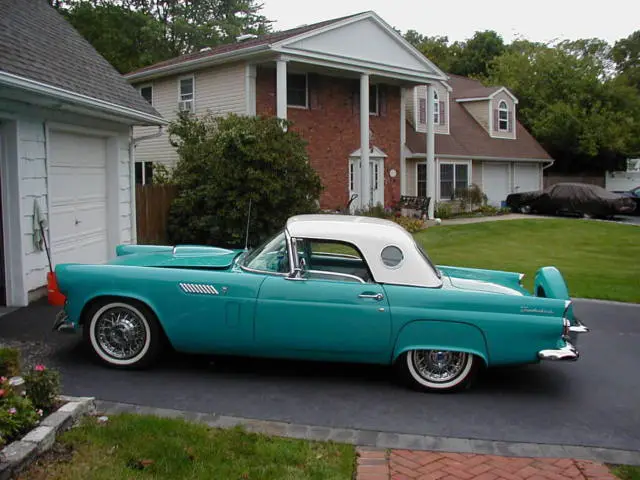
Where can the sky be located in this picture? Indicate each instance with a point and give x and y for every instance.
(541, 20)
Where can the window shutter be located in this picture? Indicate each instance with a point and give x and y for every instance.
(510, 117)
(355, 97)
(382, 99)
(423, 111)
(496, 120)
(442, 113)
(314, 91)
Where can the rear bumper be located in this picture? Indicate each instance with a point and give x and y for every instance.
(566, 353)
(63, 323)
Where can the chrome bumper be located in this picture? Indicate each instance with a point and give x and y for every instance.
(566, 353)
(63, 324)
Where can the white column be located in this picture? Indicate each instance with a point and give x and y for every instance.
(365, 172)
(431, 162)
(403, 140)
(250, 89)
(281, 89)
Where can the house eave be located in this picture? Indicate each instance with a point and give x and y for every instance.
(32, 86)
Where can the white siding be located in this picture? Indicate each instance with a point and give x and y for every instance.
(622, 181)
(124, 189)
(421, 92)
(479, 110)
(218, 90)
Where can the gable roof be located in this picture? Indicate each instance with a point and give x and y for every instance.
(42, 52)
(467, 138)
(322, 42)
(468, 89)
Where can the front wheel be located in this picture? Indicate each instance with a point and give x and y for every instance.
(123, 333)
(439, 370)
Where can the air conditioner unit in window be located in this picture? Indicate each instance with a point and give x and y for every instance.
(185, 106)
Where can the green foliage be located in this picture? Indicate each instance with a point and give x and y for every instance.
(443, 210)
(411, 225)
(43, 387)
(9, 362)
(17, 413)
(224, 162)
(626, 55)
(470, 197)
(162, 175)
(376, 210)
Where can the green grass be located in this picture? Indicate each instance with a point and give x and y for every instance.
(148, 447)
(597, 259)
(626, 472)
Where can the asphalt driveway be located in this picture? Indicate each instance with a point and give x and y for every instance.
(593, 402)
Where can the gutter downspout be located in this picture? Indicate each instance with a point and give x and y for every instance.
(134, 141)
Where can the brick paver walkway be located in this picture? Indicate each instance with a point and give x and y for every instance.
(378, 464)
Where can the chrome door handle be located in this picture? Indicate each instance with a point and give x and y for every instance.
(375, 296)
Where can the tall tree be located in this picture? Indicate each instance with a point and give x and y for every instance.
(474, 55)
(626, 55)
(436, 49)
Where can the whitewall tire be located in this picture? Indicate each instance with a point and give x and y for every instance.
(438, 370)
(123, 333)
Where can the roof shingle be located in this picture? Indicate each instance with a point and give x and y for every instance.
(37, 43)
(468, 138)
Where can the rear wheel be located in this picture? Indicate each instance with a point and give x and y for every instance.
(439, 370)
(123, 333)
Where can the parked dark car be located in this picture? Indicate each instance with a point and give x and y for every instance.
(633, 194)
(572, 199)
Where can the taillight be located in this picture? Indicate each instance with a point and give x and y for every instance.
(54, 296)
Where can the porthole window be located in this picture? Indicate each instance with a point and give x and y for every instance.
(391, 256)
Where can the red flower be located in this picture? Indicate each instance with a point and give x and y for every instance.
(1, 392)
(39, 368)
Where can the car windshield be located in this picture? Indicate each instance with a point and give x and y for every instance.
(271, 256)
(428, 259)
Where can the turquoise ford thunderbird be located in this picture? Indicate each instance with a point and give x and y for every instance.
(326, 287)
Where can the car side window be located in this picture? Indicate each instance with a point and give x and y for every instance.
(332, 260)
(272, 256)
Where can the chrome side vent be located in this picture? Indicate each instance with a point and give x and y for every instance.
(199, 288)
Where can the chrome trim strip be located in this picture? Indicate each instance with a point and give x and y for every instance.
(578, 329)
(199, 288)
(335, 274)
(566, 353)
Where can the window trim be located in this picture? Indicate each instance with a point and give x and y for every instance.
(418, 179)
(436, 108)
(146, 85)
(438, 162)
(192, 77)
(506, 120)
(306, 90)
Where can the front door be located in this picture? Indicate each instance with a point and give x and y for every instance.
(376, 180)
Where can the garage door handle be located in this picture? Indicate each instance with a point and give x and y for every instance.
(78, 221)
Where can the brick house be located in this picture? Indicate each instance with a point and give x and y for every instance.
(345, 83)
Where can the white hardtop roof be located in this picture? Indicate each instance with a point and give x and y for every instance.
(370, 235)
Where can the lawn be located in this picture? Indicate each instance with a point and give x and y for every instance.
(626, 472)
(148, 447)
(597, 259)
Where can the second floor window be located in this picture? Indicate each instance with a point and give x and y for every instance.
(503, 117)
(186, 94)
(147, 93)
(436, 108)
(297, 90)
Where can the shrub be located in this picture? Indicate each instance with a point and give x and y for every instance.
(444, 210)
(226, 161)
(470, 197)
(17, 413)
(376, 210)
(43, 387)
(9, 362)
(412, 225)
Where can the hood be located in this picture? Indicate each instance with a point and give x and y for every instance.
(182, 256)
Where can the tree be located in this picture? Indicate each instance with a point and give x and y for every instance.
(626, 55)
(473, 57)
(436, 49)
(224, 162)
(127, 39)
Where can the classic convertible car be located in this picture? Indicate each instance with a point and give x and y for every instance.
(326, 287)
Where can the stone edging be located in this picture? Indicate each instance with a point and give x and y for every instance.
(19, 454)
(385, 440)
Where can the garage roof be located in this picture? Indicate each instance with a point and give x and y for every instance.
(40, 46)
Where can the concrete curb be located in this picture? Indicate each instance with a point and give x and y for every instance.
(379, 439)
(19, 454)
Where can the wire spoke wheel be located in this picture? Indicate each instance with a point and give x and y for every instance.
(121, 333)
(439, 365)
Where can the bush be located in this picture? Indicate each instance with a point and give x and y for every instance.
(226, 161)
(470, 197)
(444, 210)
(412, 225)
(9, 362)
(17, 413)
(43, 387)
(376, 210)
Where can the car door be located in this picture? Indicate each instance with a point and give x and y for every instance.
(318, 312)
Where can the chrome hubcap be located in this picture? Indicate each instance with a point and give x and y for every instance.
(439, 366)
(120, 333)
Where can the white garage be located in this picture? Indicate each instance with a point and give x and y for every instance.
(495, 182)
(66, 150)
(78, 190)
(527, 177)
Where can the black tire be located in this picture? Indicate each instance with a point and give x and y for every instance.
(154, 338)
(411, 376)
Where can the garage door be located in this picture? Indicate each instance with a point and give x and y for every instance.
(77, 185)
(495, 182)
(526, 177)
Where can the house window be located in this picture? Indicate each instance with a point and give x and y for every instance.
(373, 99)
(436, 108)
(422, 179)
(453, 177)
(144, 173)
(147, 93)
(422, 115)
(297, 90)
(186, 94)
(351, 176)
(503, 117)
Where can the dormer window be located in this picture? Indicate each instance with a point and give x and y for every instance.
(503, 117)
